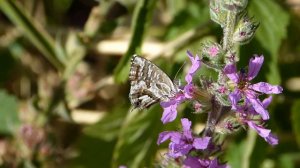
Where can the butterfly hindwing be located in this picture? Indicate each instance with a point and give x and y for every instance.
(149, 84)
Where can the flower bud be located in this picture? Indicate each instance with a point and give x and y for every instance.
(228, 125)
(245, 30)
(219, 9)
(212, 55)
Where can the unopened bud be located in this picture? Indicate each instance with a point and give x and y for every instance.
(219, 9)
(212, 55)
(245, 30)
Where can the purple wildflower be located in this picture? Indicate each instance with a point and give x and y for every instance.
(170, 107)
(194, 162)
(183, 142)
(265, 133)
(250, 92)
(248, 112)
(195, 66)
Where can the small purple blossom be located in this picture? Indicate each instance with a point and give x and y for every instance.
(183, 142)
(248, 112)
(170, 107)
(194, 162)
(265, 133)
(195, 66)
(250, 92)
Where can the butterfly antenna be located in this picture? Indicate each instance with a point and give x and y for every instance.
(179, 70)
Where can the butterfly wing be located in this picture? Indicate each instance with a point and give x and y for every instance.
(149, 84)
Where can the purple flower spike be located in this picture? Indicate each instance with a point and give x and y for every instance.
(250, 92)
(195, 66)
(170, 107)
(265, 133)
(182, 142)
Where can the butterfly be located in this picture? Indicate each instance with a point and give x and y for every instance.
(149, 84)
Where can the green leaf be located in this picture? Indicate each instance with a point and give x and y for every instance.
(142, 16)
(273, 25)
(36, 34)
(136, 146)
(9, 119)
(295, 118)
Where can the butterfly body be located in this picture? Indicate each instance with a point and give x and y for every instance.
(149, 84)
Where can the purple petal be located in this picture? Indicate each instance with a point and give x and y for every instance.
(266, 102)
(170, 109)
(215, 164)
(186, 124)
(231, 73)
(174, 136)
(191, 162)
(195, 66)
(201, 143)
(177, 150)
(260, 130)
(234, 97)
(170, 113)
(258, 107)
(194, 162)
(186, 127)
(189, 91)
(272, 139)
(266, 88)
(255, 64)
(265, 133)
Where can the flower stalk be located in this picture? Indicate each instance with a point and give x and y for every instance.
(231, 102)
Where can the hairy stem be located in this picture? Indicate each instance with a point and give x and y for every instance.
(228, 30)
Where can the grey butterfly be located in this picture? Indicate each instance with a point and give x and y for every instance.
(149, 84)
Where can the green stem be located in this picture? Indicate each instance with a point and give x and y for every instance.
(249, 146)
(228, 30)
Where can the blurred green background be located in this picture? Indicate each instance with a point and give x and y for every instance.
(64, 91)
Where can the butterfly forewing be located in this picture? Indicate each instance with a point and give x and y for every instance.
(149, 84)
